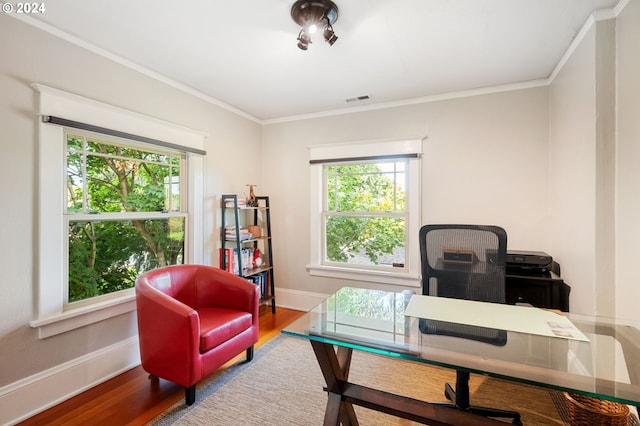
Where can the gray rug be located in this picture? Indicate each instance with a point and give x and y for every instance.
(283, 386)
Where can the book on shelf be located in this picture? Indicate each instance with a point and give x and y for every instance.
(262, 281)
(230, 233)
(247, 260)
(226, 259)
(242, 203)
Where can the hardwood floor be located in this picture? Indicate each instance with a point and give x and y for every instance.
(131, 398)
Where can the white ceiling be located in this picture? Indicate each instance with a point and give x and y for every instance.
(244, 53)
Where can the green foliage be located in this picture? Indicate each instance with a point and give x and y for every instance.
(151, 199)
(359, 195)
(106, 255)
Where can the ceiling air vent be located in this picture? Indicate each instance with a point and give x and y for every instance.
(358, 98)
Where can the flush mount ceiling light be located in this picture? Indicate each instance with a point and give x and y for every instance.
(313, 16)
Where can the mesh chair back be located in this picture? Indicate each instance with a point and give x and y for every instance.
(464, 262)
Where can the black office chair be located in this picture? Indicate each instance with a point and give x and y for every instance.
(465, 262)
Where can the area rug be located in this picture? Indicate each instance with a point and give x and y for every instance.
(283, 386)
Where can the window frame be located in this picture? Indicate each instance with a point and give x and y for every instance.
(320, 155)
(86, 216)
(326, 213)
(51, 316)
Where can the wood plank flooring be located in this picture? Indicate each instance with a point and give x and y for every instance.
(131, 398)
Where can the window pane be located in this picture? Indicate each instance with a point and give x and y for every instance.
(75, 182)
(367, 187)
(107, 178)
(172, 191)
(107, 256)
(75, 142)
(366, 241)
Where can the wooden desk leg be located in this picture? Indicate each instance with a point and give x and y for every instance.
(347, 414)
(335, 369)
(342, 395)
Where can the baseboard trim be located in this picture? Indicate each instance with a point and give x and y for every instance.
(32, 395)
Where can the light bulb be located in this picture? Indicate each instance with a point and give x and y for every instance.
(313, 28)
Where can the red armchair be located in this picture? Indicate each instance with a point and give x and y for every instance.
(191, 320)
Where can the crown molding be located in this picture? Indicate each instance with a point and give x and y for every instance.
(413, 101)
(596, 16)
(129, 64)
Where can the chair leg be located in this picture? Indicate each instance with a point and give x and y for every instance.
(462, 389)
(449, 393)
(496, 412)
(190, 395)
(250, 353)
(460, 400)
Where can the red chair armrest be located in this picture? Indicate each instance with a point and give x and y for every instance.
(169, 333)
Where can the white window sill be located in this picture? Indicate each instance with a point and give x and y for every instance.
(85, 315)
(380, 277)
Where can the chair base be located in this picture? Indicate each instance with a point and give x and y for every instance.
(190, 392)
(250, 353)
(190, 395)
(460, 400)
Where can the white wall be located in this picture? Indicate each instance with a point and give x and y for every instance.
(31, 55)
(628, 162)
(572, 159)
(485, 161)
(593, 139)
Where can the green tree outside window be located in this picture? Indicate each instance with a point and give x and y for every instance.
(365, 216)
(110, 189)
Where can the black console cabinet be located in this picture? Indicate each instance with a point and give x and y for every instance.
(543, 290)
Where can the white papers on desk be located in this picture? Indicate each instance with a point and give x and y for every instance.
(522, 319)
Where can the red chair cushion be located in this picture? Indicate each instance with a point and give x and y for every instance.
(217, 325)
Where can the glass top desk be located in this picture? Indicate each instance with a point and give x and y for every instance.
(607, 366)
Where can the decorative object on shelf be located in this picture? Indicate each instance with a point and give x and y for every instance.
(251, 201)
(313, 15)
(255, 231)
(257, 260)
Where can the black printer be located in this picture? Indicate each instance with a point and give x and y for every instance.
(529, 261)
(533, 277)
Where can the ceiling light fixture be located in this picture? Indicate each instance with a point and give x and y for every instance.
(314, 15)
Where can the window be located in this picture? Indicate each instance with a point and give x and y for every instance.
(136, 192)
(366, 211)
(124, 213)
(364, 217)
